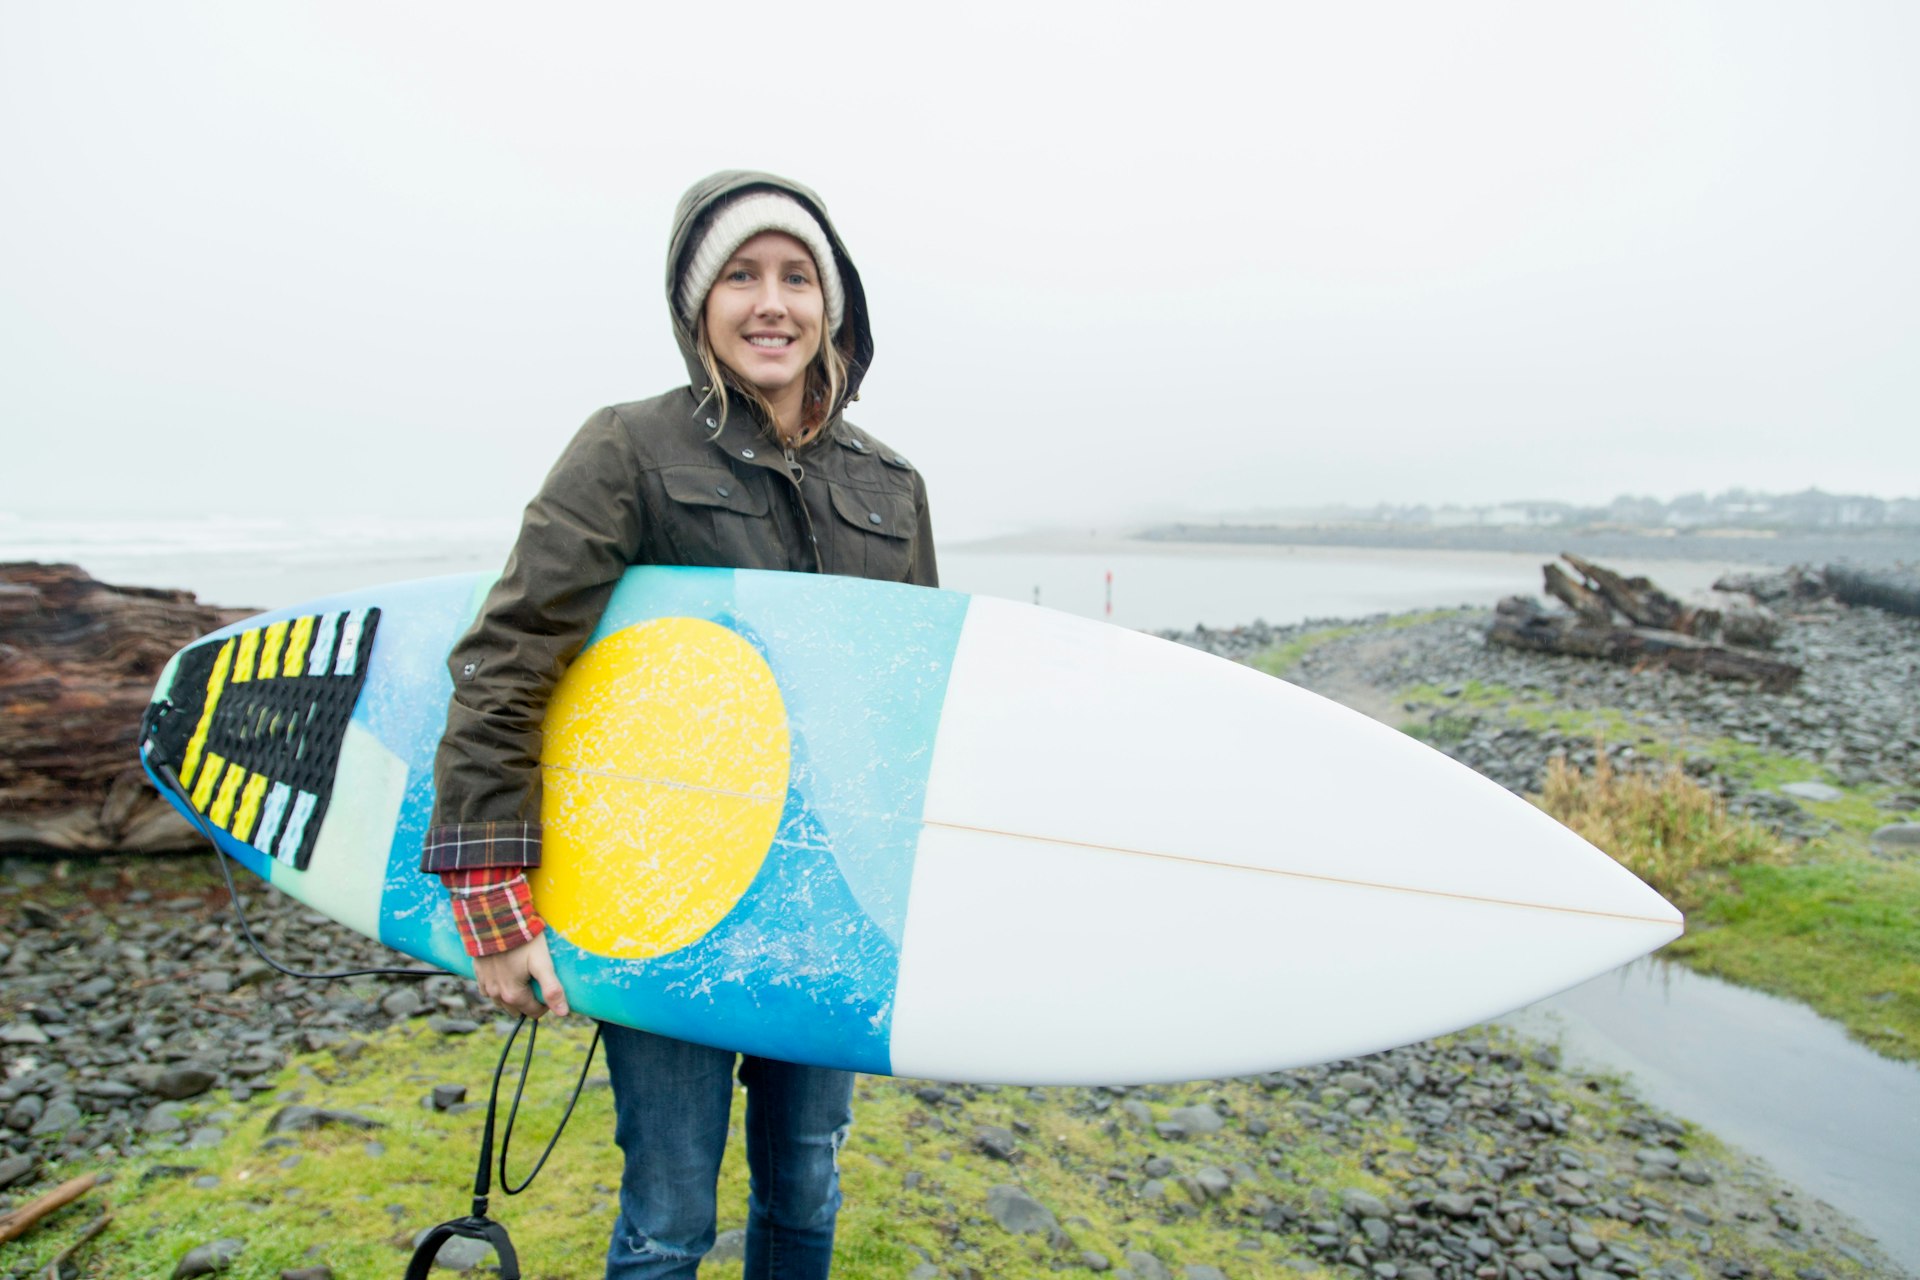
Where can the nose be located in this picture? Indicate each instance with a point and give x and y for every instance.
(768, 300)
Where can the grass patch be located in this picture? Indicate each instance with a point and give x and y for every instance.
(1281, 659)
(1825, 923)
(1661, 825)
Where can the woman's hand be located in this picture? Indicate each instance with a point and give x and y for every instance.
(504, 977)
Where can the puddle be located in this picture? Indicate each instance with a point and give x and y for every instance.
(1765, 1074)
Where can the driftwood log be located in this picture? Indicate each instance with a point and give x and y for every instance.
(78, 661)
(1895, 590)
(1631, 620)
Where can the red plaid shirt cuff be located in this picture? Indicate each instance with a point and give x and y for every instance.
(493, 907)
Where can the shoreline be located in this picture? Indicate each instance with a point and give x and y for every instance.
(1748, 548)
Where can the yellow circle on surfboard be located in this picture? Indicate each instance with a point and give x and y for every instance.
(665, 772)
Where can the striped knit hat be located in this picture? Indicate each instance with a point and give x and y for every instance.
(740, 222)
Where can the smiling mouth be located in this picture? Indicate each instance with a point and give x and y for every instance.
(769, 341)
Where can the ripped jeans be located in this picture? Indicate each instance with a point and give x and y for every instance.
(671, 1103)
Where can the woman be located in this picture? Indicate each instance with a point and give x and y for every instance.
(750, 465)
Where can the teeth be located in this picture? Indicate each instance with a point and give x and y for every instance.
(770, 342)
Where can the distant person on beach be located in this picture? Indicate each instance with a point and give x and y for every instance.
(739, 468)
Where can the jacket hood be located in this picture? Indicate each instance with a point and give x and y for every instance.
(690, 219)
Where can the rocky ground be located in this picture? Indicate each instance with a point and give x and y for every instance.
(122, 993)
(124, 990)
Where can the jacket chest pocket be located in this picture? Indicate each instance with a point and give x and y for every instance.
(716, 518)
(872, 533)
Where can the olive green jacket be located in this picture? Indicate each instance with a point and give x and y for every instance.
(660, 481)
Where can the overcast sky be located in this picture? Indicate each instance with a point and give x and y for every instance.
(1123, 260)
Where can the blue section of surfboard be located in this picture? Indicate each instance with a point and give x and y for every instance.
(909, 831)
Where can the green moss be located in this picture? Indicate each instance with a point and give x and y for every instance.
(1281, 659)
(916, 1186)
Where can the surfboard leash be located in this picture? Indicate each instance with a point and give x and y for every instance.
(476, 1225)
(220, 856)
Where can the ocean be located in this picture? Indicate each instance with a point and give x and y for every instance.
(1145, 585)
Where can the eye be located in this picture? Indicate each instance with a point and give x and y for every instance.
(739, 273)
(798, 279)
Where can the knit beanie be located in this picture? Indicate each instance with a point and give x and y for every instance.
(739, 222)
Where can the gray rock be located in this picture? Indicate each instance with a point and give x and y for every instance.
(1898, 835)
(14, 1168)
(1202, 1271)
(995, 1141)
(1815, 791)
(1157, 1167)
(1362, 1204)
(1018, 1212)
(23, 1032)
(206, 1259)
(1454, 1204)
(161, 1118)
(729, 1246)
(446, 1095)
(402, 1003)
(185, 1081)
(206, 1136)
(1213, 1183)
(1139, 1110)
(26, 1112)
(1095, 1261)
(1200, 1119)
(452, 1026)
(300, 1119)
(1147, 1267)
(322, 1272)
(59, 1116)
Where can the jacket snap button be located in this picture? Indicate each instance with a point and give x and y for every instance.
(746, 453)
(874, 516)
(724, 492)
(709, 421)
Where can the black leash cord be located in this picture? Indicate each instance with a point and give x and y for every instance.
(513, 1112)
(477, 1225)
(239, 913)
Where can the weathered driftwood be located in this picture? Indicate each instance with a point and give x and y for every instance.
(15, 1223)
(78, 660)
(1636, 598)
(1722, 617)
(1726, 617)
(1897, 590)
(1520, 623)
(1576, 595)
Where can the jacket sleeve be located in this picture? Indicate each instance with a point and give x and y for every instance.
(579, 534)
(923, 571)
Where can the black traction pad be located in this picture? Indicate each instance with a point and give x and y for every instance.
(253, 724)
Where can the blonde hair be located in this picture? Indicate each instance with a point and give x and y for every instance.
(826, 381)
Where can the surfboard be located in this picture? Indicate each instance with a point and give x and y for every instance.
(911, 832)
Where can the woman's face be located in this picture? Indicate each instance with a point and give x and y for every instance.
(765, 314)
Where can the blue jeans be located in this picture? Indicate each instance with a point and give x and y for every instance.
(671, 1102)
